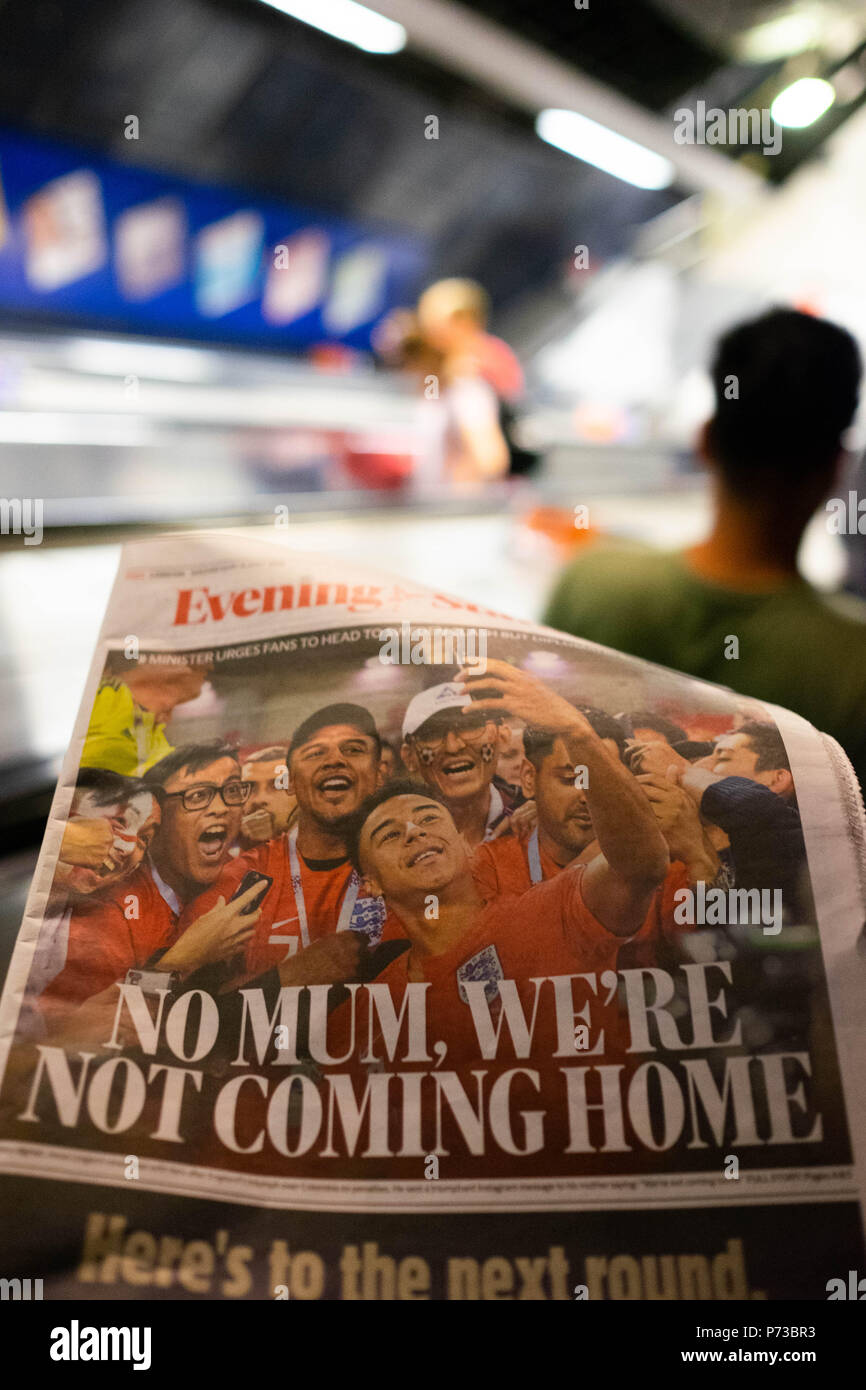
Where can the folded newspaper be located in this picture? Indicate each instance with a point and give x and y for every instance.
(382, 946)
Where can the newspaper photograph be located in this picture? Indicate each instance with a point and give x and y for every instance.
(384, 947)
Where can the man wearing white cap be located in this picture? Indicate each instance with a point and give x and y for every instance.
(456, 754)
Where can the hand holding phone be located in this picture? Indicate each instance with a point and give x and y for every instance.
(249, 880)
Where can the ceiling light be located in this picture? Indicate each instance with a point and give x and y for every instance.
(595, 144)
(803, 102)
(779, 38)
(349, 21)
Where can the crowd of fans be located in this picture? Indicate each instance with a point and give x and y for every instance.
(511, 832)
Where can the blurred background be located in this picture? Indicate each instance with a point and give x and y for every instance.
(217, 218)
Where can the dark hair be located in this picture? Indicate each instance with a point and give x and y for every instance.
(108, 786)
(189, 756)
(645, 719)
(359, 718)
(354, 824)
(786, 387)
(767, 742)
(538, 743)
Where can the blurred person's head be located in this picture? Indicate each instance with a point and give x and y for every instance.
(755, 750)
(401, 345)
(451, 314)
(509, 765)
(268, 808)
(202, 796)
(390, 762)
(654, 728)
(608, 728)
(334, 763)
(133, 812)
(786, 389)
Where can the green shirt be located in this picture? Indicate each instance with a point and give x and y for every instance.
(797, 648)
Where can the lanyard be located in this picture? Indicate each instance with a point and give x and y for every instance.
(534, 856)
(347, 906)
(495, 812)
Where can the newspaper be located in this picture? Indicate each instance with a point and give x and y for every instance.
(384, 946)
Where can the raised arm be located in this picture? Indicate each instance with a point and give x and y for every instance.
(619, 883)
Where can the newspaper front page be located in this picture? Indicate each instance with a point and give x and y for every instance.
(384, 947)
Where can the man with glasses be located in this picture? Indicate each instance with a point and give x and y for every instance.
(135, 927)
(202, 796)
(456, 755)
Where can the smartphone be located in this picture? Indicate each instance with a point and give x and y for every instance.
(249, 878)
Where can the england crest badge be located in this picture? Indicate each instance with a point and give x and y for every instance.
(485, 966)
(368, 918)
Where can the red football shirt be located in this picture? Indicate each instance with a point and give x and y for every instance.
(502, 867)
(324, 890)
(108, 937)
(546, 931)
